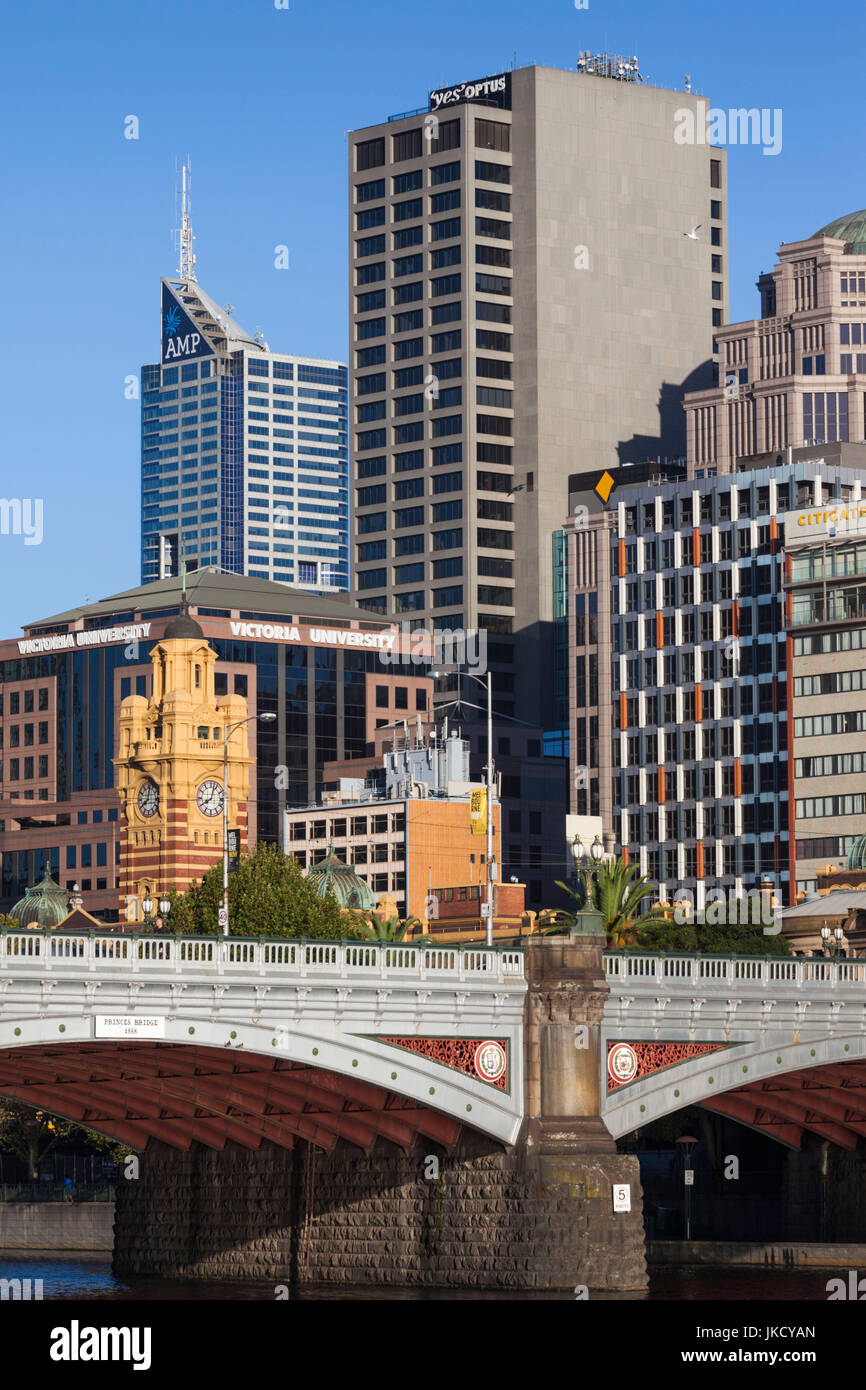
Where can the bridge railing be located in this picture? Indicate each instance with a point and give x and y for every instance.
(130, 953)
(664, 968)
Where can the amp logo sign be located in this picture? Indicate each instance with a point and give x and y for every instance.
(182, 339)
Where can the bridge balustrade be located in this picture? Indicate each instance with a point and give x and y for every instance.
(733, 970)
(130, 953)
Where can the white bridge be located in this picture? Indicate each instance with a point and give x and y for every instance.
(216, 1038)
(777, 1043)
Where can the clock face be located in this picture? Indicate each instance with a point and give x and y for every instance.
(148, 798)
(209, 799)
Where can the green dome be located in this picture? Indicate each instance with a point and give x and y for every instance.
(851, 228)
(44, 906)
(857, 854)
(348, 888)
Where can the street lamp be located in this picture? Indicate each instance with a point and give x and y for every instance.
(491, 861)
(147, 906)
(228, 730)
(838, 935)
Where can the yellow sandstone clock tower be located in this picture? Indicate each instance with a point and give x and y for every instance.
(169, 770)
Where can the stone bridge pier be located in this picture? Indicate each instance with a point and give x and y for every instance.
(460, 1209)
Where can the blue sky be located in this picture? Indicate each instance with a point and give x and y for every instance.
(261, 99)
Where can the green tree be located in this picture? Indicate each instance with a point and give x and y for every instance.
(716, 938)
(614, 889)
(268, 896)
(31, 1134)
(6, 920)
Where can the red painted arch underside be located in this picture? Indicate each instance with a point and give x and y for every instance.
(182, 1095)
(829, 1101)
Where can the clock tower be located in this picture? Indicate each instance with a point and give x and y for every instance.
(169, 769)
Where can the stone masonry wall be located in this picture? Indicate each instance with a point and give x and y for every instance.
(346, 1218)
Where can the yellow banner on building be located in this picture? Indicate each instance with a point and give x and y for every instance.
(478, 811)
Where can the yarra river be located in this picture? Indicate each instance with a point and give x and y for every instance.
(78, 1279)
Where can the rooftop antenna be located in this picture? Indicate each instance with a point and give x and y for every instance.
(186, 255)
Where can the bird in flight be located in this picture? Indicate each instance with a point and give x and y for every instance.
(693, 234)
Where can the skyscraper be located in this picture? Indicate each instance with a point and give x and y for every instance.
(537, 271)
(244, 451)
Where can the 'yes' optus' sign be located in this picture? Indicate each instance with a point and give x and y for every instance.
(492, 91)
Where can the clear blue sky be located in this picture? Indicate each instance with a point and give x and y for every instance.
(261, 99)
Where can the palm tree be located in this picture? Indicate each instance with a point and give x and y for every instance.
(614, 889)
(388, 928)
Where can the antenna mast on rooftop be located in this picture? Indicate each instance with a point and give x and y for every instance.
(186, 255)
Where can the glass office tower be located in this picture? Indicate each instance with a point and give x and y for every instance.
(244, 453)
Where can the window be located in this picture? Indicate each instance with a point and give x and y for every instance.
(407, 183)
(369, 192)
(492, 255)
(447, 255)
(442, 285)
(445, 173)
(492, 173)
(370, 273)
(715, 175)
(448, 201)
(492, 135)
(408, 236)
(403, 212)
(493, 202)
(369, 154)
(492, 284)
(444, 231)
(447, 482)
(381, 703)
(407, 488)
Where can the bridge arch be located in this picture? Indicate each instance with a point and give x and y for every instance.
(246, 1040)
(780, 1088)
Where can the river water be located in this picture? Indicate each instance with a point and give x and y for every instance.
(63, 1277)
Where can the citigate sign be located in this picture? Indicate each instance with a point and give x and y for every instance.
(837, 519)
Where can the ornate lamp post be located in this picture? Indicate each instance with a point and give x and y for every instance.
(837, 935)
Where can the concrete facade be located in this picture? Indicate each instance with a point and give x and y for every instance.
(578, 312)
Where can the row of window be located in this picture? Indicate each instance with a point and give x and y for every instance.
(340, 827)
(25, 701)
(735, 701)
(679, 668)
(738, 861)
(699, 784)
(718, 505)
(486, 481)
(680, 745)
(433, 138)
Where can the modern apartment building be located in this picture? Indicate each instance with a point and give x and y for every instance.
(244, 451)
(797, 375)
(697, 715)
(825, 600)
(538, 269)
